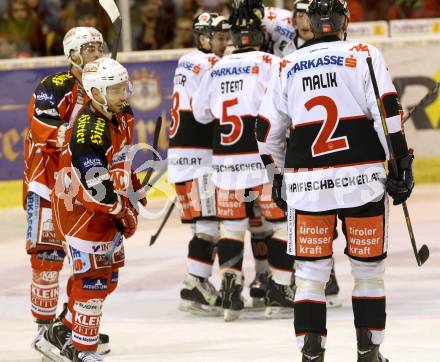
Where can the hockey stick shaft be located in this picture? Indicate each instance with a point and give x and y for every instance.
(145, 181)
(164, 221)
(423, 254)
(113, 13)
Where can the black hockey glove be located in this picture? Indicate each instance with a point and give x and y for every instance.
(245, 12)
(399, 186)
(279, 191)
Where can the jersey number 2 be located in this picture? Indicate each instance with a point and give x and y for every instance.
(324, 144)
(235, 121)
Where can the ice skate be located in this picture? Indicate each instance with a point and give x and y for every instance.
(367, 351)
(199, 296)
(332, 291)
(312, 350)
(87, 356)
(279, 301)
(56, 342)
(258, 289)
(232, 301)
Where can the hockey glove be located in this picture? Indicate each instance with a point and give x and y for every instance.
(399, 186)
(126, 220)
(245, 12)
(279, 191)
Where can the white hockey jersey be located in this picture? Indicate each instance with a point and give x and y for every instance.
(278, 24)
(230, 95)
(190, 142)
(324, 94)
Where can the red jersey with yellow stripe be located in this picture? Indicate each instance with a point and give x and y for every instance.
(56, 101)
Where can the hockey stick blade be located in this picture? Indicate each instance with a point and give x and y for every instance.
(423, 254)
(113, 13)
(111, 9)
(162, 224)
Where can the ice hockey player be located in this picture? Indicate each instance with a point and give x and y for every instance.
(288, 32)
(334, 168)
(189, 160)
(55, 102)
(91, 207)
(229, 96)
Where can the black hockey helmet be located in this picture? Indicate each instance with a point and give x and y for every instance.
(208, 24)
(327, 16)
(248, 35)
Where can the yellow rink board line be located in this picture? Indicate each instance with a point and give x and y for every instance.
(426, 170)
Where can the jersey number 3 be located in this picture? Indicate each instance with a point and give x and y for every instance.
(174, 115)
(234, 121)
(324, 143)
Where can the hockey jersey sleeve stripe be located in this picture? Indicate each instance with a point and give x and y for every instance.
(391, 104)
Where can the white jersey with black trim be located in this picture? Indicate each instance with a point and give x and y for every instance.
(190, 146)
(230, 96)
(324, 94)
(278, 23)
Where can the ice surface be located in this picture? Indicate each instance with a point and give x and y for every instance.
(145, 325)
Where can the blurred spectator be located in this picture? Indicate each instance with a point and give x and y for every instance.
(49, 13)
(8, 48)
(86, 15)
(413, 9)
(24, 28)
(357, 10)
(183, 35)
(151, 28)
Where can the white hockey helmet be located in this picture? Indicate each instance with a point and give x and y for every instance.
(103, 73)
(75, 38)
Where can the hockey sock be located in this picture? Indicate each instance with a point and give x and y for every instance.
(280, 262)
(44, 294)
(200, 257)
(259, 250)
(230, 254)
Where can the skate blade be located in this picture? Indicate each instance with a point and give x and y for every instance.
(49, 351)
(230, 315)
(103, 348)
(278, 313)
(199, 309)
(333, 301)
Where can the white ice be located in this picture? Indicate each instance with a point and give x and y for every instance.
(145, 325)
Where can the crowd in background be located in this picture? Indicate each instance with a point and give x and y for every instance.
(36, 27)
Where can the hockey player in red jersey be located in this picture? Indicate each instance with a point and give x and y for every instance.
(229, 96)
(189, 159)
(334, 168)
(55, 102)
(91, 207)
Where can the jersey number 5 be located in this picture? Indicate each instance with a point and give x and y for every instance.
(324, 144)
(174, 115)
(235, 121)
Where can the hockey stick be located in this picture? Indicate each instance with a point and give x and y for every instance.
(112, 11)
(149, 173)
(164, 221)
(423, 254)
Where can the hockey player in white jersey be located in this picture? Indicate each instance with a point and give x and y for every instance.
(189, 161)
(229, 97)
(288, 31)
(334, 168)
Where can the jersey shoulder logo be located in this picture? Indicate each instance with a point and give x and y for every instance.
(283, 64)
(267, 59)
(360, 48)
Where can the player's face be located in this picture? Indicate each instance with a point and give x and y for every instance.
(303, 25)
(92, 51)
(219, 41)
(117, 94)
